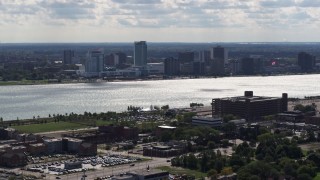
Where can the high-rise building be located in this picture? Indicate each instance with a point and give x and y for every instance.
(67, 56)
(219, 56)
(186, 57)
(171, 66)
(252, 65)
(120, 57)
(204, 56)
(94, 62)
(306, 61)
(235, 66)
(219, 53)
(198, 68)
(140, 53)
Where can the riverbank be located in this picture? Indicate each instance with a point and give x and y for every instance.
(150, 78)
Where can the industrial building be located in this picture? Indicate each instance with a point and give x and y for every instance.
(249, 106)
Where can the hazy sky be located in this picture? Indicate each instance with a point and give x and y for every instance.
(159, 20)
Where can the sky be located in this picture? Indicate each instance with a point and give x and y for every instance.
(159, 20)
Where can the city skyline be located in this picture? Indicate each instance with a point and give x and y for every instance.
(159, 21)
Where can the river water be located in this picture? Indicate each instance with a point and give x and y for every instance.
(26, 101)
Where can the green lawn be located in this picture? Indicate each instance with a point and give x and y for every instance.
(47, 127)
(104, 123)
(181, 171)
(317, 177)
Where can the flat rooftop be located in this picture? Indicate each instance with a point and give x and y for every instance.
(251, 98)
(167, 127)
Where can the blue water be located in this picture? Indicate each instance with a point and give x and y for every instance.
(32, 100)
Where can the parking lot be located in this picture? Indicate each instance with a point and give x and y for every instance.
(81, 164)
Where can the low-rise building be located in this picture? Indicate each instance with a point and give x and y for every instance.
(37, 149)
(150, 174)
(291, 116)
(87, 149)
(13, 159)
(161, 151)
(215, 121)
(53, 145)
(249, 106)
(143, 174)
(71, 145)
(163, 129)
(314, 120)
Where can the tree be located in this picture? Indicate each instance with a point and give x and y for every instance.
(165, 107)
(212, 174)
(226, 118)
(307, 169)
(230, 129)
(307, 108)
(226, 171)
(259, 168)
(192, 161)
(211, 145)
(304, 177)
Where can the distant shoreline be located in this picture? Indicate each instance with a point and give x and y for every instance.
(156, 78)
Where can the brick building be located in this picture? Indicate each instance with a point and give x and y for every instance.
(250, 107)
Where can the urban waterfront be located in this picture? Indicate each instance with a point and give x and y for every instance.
(26, 101)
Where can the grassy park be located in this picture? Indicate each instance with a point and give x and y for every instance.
(47, 127)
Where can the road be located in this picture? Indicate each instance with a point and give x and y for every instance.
(154, 162)
(58, 134)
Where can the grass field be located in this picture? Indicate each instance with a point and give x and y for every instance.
(37, 128)
(103, 123)
(317, 177)
(181, 171)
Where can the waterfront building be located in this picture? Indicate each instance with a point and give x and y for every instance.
(250, 107)
(306, 61)
(252, 65)
(219, 52)
(204, 56)
(235, 66)
(198, 68)
(68, 56)
(219, 56)
(171, 66)
(186, 57)
(155, 68)
(94, 63)
(120, 58)
(186, 68)
(115, 59)
(140, 53)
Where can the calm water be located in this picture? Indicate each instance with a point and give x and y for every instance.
(28, 101)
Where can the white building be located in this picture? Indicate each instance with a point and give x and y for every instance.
(94, 63)
(140, 53)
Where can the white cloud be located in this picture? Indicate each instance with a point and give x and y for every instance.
(166, 18)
